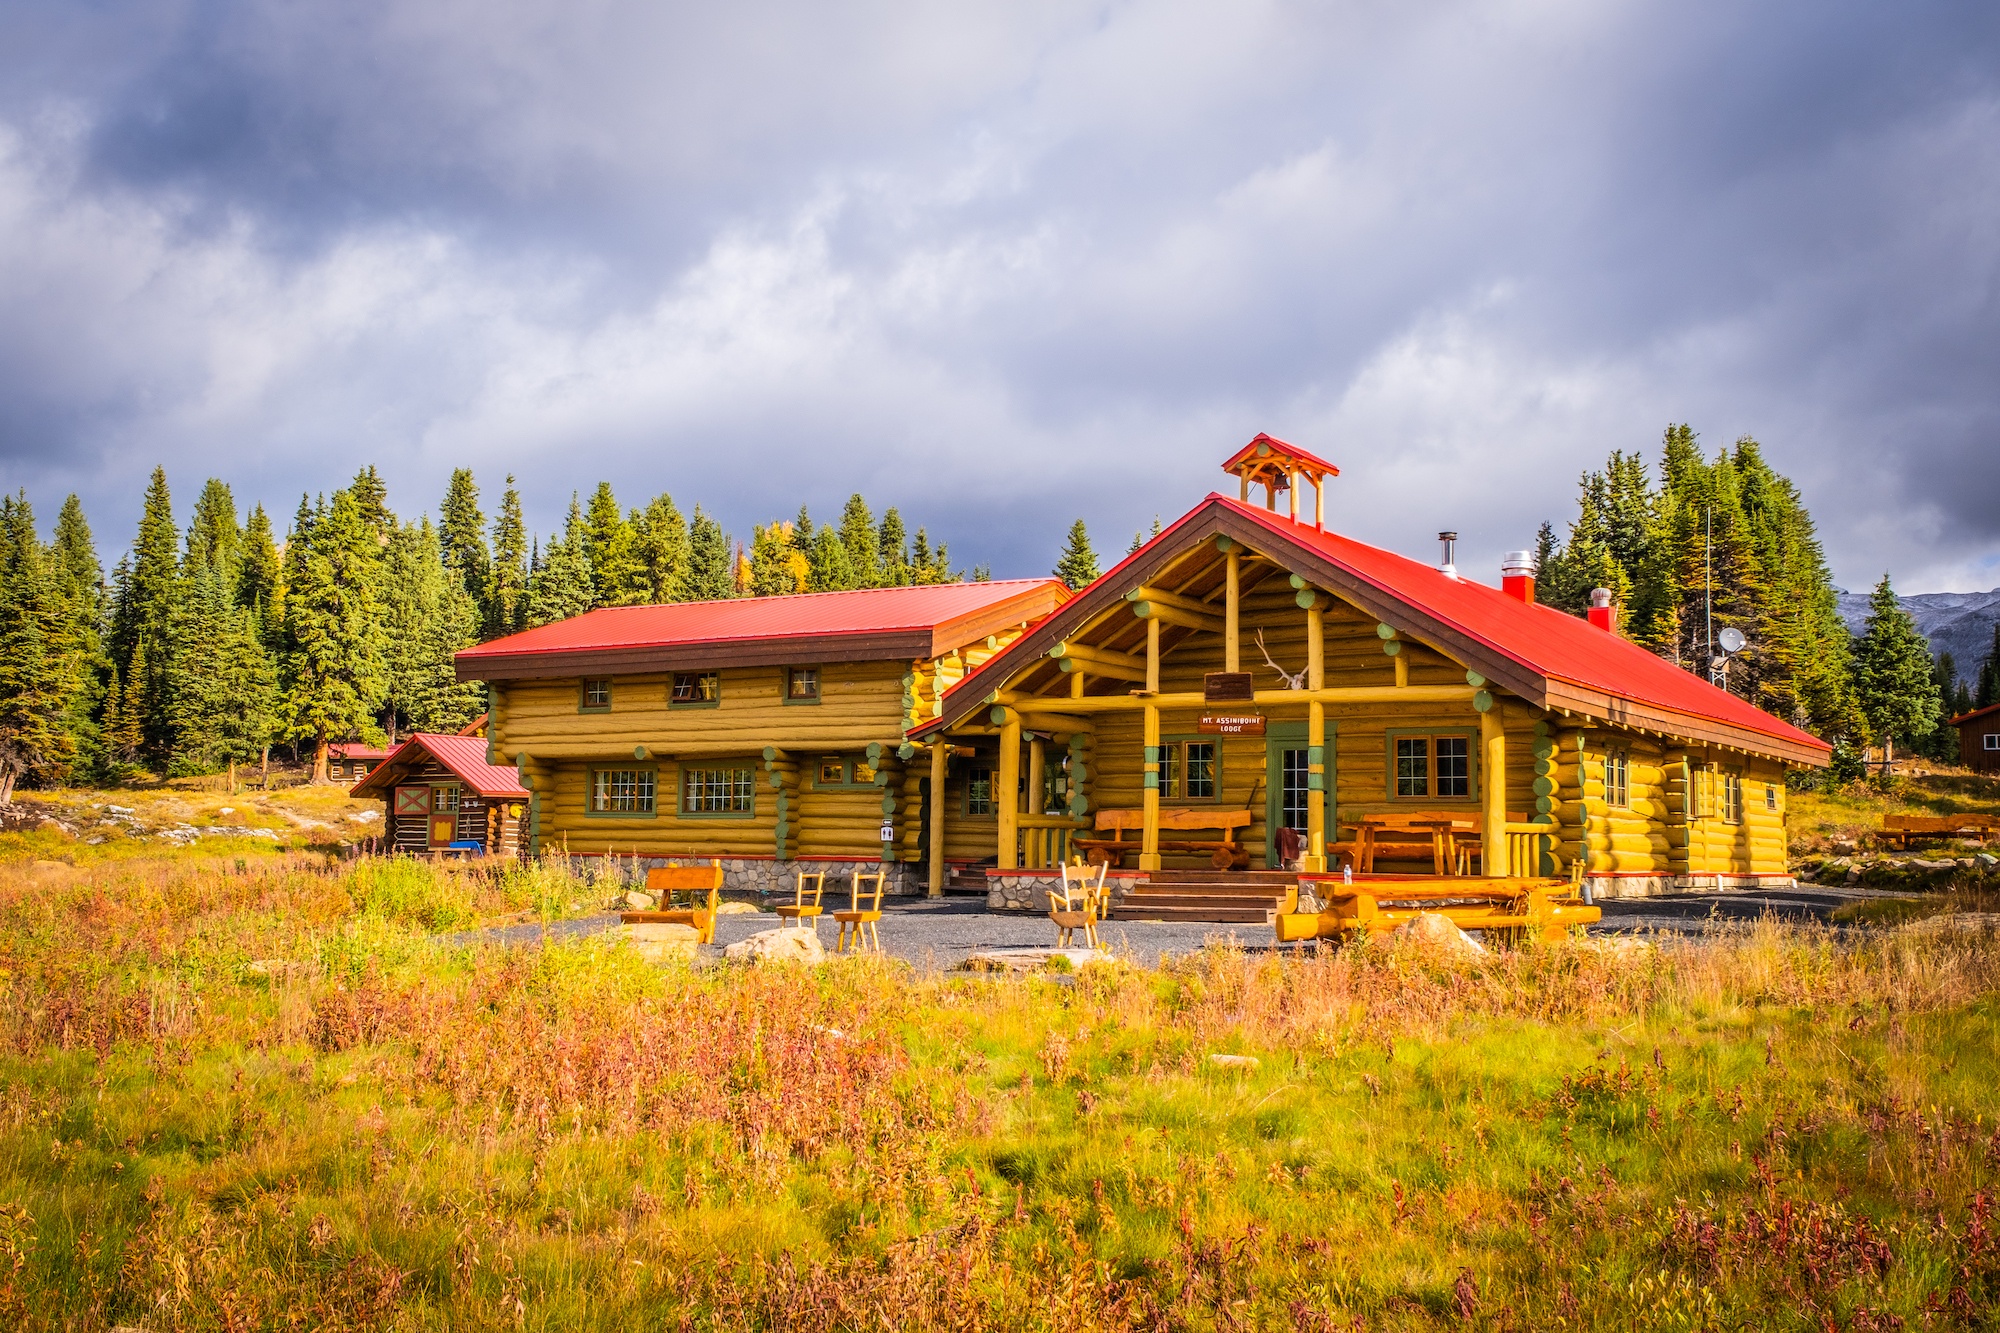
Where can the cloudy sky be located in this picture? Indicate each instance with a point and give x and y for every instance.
(1007, 264)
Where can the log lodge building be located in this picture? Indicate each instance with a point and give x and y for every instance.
(1247, 666)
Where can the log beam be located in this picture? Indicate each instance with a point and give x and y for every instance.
(939, 752)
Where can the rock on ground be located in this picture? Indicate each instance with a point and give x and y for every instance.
(1435, 928)
(792, 943)
(660, 941)
(738, 909)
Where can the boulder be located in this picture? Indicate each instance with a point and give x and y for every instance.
(1986, 861)
(1233, 1061)
(797, 944)
(738, 909)
(1437, 930)
(640, 901)
(662, 941)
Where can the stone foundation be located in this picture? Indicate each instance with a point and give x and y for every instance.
(770, 878)
(1028, 890)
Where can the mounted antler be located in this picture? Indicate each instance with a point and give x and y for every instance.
(1292, 682)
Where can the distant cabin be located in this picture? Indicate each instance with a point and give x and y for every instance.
(352, 762)
(1979, 739)
(440, 794)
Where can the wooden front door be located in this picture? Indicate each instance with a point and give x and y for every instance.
(1287, 795)
(444, 816)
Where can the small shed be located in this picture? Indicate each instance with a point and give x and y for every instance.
(352, 762)
(1979, 739)
(439, 791)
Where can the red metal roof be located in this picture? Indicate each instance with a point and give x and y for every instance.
(343, 750)
(804, 615)
(1277, 448)
(465, 756)
(1975, 713)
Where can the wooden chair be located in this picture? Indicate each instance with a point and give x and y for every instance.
(858, 922)
(701, 886)
(804, 905)
(1077, 905)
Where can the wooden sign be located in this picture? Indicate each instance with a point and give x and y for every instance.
(1232, 724)
(1228, 687)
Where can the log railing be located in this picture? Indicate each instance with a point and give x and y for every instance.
(1526, 844)
(1045, 839)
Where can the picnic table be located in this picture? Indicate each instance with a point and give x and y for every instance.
(1899, 829)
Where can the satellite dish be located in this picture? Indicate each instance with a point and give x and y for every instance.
(1731, 639)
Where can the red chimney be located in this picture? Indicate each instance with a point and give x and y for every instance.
(1602, 613)
(1517, 575)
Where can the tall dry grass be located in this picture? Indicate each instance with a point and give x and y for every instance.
(291, 1098)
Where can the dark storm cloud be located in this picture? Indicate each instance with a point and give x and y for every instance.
(1002, 265)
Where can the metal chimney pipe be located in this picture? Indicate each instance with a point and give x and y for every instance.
(1449, 565)
(1517, 575)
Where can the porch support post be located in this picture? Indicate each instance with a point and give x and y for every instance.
(939, 751)
(1037, 762)
(1493, 792)
(1319, 501)
(1292, 492)
(1315, 853)
(1008, 799)
(1149, 832)
(1232, 615)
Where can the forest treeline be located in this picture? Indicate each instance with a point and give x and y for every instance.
(1729, 543)
(205, 646)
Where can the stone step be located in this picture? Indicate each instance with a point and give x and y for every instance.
(1220, 915)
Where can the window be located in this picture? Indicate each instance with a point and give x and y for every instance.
(1618, 779)
(802, 685)
(444, 800)
(1430, 766)
(597, 695)
(1188, 771)
(621, 791)
(716, 791)
(1732, 798)
(835, 771)
(979, 792)
(832, 772)
(1992, 740)
(1704, 792)
(694, 688)
(1770, 796)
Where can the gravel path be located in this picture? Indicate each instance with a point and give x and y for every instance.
(940, 934)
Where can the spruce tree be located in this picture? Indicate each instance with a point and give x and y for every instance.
(1892, 674)
(428, 616)
(462, 534)
(332, 674)
(774, 561)
(506, 603)
(892, 547)
(863, 543)
(142, 615)
(608, 539)
(660, 551)
(40, 659)
(830, 562)
(711, 564)
(202, 696)
(1078, 565)
(260, 576)
(371, 502)
(562, 588)
(1987, 691)
(214, 541)
(80, 583)
(247, 703)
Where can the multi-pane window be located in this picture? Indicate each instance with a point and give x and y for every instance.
(832, 772)
(1427, 766)
(1732, 798)
(597, 694)
(979, 792)
(716, 791)
(802, 684)
(1992, 741)
(696, 687)
(1618, 779)
(1187, 771)
(835, 771)
(621, 791)
(1704, 792)
(1770, 796)
(444, 800)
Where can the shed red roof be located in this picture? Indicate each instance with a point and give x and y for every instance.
(356, 750)
(864, 625)
(1554, 659)
(1975, 713)
(464, 756)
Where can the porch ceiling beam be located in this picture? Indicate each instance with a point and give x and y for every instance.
(1098, 661)
(1343, 694)
(1168, 614)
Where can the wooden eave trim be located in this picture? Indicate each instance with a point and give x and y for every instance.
(805, 650)
(1615, 710)
(977, 625)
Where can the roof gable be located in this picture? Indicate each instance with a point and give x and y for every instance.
(463, 756)
(1553, 660)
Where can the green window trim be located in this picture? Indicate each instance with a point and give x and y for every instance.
(749, 772)
(695, 677)
(590, 811)
(593, 685)
(848, 781)
(792, 676)
(1430, 735)
(990, 775)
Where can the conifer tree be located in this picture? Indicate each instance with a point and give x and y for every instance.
(1078, 565)
(660, 551)
(123, 709)
(429, 616)
(214, 541)
(332, 671)
(260, 575)
(40, 660)
(77, 565)
(562, 587)
(247, 704)
(1987, 691)
(205, 698)
(711, 564)
(864, 544)
(142, 615)
(371, 502)
(80, 583)
(892, 547)
(608, 540)
(774, 561)
(462, 534)
(1892, 674)
(506, 603)
(829, 562)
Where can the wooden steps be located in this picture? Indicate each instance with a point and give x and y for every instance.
(1226, 896)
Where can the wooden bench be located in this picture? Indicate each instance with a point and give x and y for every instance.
(1899, 829)
(1227, 852)
(1533, 907)
(1439, 836)
(700, 886)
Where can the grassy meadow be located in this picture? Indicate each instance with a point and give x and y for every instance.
(273, 1096)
